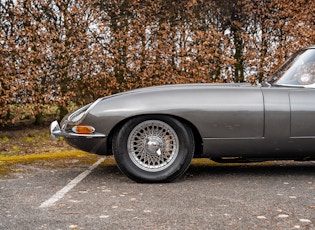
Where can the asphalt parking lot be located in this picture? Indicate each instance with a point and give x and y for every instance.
(210, 196)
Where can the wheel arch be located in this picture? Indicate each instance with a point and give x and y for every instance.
(197, 137)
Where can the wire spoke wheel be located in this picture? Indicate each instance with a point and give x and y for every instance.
(153, 148)
(153, 145)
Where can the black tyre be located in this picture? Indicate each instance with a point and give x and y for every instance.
(153, 148)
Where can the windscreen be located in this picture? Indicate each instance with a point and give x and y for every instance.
(299, 70)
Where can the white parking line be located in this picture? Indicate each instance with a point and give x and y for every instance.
(58, 195)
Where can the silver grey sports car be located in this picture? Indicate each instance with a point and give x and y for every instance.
(154, 132)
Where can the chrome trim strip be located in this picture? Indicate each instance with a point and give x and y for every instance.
(311, 86)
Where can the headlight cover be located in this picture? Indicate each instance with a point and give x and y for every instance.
(78, 114)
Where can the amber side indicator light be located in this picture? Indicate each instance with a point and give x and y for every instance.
(83, 129)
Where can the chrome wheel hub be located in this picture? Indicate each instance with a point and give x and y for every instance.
(153, 145)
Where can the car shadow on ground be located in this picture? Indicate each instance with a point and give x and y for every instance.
(270, 168)
(209, 169)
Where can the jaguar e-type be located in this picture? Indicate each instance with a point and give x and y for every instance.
(155, 132)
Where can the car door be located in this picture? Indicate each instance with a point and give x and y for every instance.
(302, 102)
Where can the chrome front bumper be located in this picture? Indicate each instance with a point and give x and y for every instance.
(56, 132)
